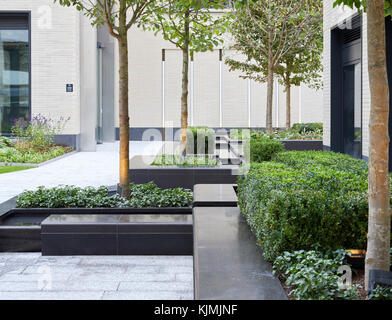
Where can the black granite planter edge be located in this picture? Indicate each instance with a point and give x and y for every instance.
(155, 210)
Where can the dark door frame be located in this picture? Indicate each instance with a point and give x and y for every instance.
(27, 14)
(337, 64)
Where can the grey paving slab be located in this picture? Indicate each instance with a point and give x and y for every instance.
(146, 295)
(184, 277)
(154, 286)
(46, 274)
(54, 295)
(78, 285)
(147, 277)
(81, 169)
(31, 276)
(139, 260)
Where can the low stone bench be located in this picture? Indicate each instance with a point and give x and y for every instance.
(135, 234)
(228, 264)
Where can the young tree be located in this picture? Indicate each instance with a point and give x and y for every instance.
(379, 227)
(266, 32)
(119, 16)
(190, 26)
(303, 64)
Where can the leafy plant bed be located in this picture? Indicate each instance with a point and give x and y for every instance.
(11, 155)
(20, 222)
(187, 161)
(311, 275)
(299, 131)
(147, 195)
(142, 171)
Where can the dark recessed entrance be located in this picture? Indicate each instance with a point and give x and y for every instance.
(346, 89)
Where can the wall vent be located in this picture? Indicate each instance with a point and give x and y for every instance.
(351, 35)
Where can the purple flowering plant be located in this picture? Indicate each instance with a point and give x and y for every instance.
(38, 133)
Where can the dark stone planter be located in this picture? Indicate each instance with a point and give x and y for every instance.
(303, 145)
(117, 235)
(20, 232)
(20, 229)
(290, 145)
(381, 278)
(184, 177)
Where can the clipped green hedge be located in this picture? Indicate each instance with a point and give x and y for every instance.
(322, 160)
(307, 127)
(290, 209)
(205, 133)
(263, 149)
(142, 195)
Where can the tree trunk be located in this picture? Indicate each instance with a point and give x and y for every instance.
(288, 105)
(270, 94)
(185, 80)
(378, 247)
(123, 103)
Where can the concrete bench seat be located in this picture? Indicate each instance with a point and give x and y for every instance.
(135, 234)
(228, 265)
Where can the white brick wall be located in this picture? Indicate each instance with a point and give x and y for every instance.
(54, 59)
(145, 73)
(332, 17)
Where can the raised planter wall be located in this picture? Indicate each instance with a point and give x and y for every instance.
(165, 177)
(20, 229)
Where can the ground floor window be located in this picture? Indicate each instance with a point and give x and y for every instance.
(14, 70)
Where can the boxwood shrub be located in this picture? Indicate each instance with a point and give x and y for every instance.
(324, 160)
(307, 127)
(205, 133)
(143, 195)
(291, 209)
(262, 149)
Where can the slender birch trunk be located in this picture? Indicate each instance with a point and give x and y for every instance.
(288, 105)
(378, 246)
(123, 101)
(270, 94)
(185, 81)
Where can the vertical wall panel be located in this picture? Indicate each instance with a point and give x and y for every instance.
(234, 97)
(258, 104)
(173, 78)
(145, 73)
(206, 95)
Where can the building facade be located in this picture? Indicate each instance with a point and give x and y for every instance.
(346, 80)
(52, 62)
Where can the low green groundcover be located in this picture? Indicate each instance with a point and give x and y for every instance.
(11, 152)
(7, 169)
(142, 196)
(314, 275)
(187, 161)
(299, 131)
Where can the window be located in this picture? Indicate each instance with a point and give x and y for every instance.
(14, 70)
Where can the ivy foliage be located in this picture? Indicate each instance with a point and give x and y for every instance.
(142, 196)
(312, 275)
(361, 5)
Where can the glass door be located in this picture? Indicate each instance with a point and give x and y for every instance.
(352, 110)
(14, 77)
(99, 129)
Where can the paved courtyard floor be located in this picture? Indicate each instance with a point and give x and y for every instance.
(80, 169)
(29, 276)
